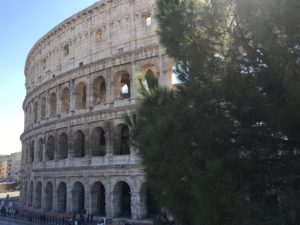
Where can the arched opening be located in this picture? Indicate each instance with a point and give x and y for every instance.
(43, 108)
(122, 199)
(30, 195)
(49, 196)
(38, 192)
(53, 104)
(99, 90)
(63, 147)
(78, 197)
(31, 152)
(98, 142)
(98, 199)
(149, 207)
(122, 144)
(80, 95)
(65, 98)
(35, 111)
(50, 148)
(125, 86)
(62, 198)
(79, 145)
(122, 85)
(40, 150)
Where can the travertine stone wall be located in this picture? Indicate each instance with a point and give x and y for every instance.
(80, 80)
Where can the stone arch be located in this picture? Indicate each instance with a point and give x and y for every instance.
(122, 141)
(98, 202)
(35, 112)
(149, 207)
(122, 199)
(79, 145)
(31, 152)
(78, 197)
(80, 94)
(40, 150)
(150, 68)
(50, 148)
(38, 199)
(63, 148)
(43, 108)
(30, 194)
(49, 196)
(99, 90)
(62, 197)
(65, 98)
(98, 142)
(53, 104)
(122, 85)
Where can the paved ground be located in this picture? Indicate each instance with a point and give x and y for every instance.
(8, 222)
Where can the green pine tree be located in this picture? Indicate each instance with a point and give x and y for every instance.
(224, 147)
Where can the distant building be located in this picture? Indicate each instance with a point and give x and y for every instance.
(10, 166)
(14, 166)
(3, 169)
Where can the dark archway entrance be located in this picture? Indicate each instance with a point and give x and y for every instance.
(149, 206)
(62, 198)
(78, 197)
(122, 199)
(98, 199)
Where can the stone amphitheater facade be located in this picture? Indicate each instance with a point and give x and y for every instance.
(80, 81)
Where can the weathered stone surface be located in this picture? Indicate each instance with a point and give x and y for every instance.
(80, 80)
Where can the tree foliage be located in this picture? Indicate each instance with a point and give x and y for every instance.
(224, 146)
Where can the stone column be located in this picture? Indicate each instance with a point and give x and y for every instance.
(54, 197)
(69, 196)
(135, 205)
(58, 101)
(33, 194)
(43, 203)
(44, 148)
(89, 92)
(87, 196)
(72, 96)
(109, 202)
(109, 138)
(133, 83)
(70, 140)
(47, 116)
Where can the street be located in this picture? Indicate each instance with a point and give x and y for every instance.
(7, 222)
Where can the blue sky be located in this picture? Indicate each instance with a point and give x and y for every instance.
(22, 23)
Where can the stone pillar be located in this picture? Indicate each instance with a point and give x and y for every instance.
(135, 205)
(69, 196)
(43, 203)
(34, 194)
(44, 148)
(109, 202)
(87, 196)
(89, 92)
(70, 140)
(72, 96)
(54, 197)
(133, 83)
(111, 86)
(109, 138)
(47, 116)
(58, 100)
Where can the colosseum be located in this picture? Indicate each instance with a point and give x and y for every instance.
(80, 81)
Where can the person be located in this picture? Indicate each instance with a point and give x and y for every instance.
(101, 222)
